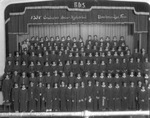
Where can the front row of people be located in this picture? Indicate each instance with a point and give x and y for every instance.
(93, 97)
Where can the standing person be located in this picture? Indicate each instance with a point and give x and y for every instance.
(143, 99)
(32, 97)
(69, 97)
(15, 97)
(56, 98)
(23, 99)
(82, 102)
(62, 96)
(89, 96)
(117, 97)
(75, 97)
(48, 97)
(132, 96)
(96, 90)
(6, 88)
(103, 97)
(110, 97)
(125, 96)
(40, 89)
(138, 90)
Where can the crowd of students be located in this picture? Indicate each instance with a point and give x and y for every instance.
(64, 74)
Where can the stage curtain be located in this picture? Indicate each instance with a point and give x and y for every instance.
(74, 30)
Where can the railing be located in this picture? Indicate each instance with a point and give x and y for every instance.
(85, 114)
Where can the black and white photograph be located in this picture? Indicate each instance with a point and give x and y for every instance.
(75, 58)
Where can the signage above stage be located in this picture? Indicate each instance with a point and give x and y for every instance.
(64, 15)
(77, 17)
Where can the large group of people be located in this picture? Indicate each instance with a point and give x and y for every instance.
(66, 74)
